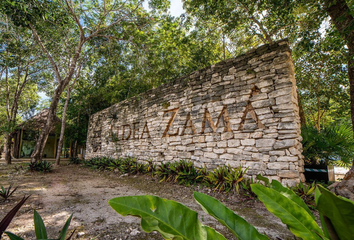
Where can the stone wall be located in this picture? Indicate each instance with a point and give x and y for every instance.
(242, 111)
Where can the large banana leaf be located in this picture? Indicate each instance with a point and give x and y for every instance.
(290, 195)
(237, 225)
(172, 219)
(340, 212)
(299, 222)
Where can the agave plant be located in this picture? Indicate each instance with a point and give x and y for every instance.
(306, 192)
(234, 178)
(8, 218)
(226, 178)
(41, 231)
(151, 167)
(6, 193)
(43, 166)
(164, 172)
(184, 172)
(114, 164)
(216, 178)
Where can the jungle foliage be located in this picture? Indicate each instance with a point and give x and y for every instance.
(113, 50)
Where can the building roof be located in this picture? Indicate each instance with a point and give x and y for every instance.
(38, 121)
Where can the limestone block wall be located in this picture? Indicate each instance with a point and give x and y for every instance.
(241, 112)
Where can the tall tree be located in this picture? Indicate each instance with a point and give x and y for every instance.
(300, 20)
(19, 67)
(70, 25)
(341, 13)
(258, 20)
(322, 80)
(165, 49)
(70, 87)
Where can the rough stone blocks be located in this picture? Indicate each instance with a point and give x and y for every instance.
(242, 111)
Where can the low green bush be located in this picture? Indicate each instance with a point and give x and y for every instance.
(123, 165)
(75, 160)
(225, 178)
(182, 172)
(42, 166)
(222, 179)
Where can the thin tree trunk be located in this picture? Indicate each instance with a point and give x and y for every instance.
(74, 152)
(318, 122)
(42, 139)
(63, 83)
(63, 122)
(7, 148)
(301, 111)
(341, 17)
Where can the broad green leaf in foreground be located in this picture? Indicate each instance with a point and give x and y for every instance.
(340, 212)
(170, 218)
(237, 225)
(299, 222)
(323, 222)
(291, 196)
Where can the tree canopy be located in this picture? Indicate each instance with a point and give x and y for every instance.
(114, 50)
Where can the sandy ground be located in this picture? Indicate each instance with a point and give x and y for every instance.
(85, 193)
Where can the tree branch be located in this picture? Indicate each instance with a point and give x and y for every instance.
(76, 19)
(44, 49)
(258, 23)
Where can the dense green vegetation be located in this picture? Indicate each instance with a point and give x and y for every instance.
(96, 53)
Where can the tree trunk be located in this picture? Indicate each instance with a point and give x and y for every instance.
(74, 152)
(301, 112)
(340, 15)
(63, 121)
(42, 139)
(7, 148)
(62, 84)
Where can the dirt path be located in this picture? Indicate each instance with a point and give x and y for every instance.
(85, 193)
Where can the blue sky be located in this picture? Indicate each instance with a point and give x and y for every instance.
(176, 8)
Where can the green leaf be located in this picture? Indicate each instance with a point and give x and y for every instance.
(317, 195)
(39, 227)
(323, 223)
(237, 225)
(299, 222)
(170, 218)
(10, 215)
(13, 236)
(264, 179)
(65, 228)
(340, 212)
(286, 192)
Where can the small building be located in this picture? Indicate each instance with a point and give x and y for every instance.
(26, 134)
